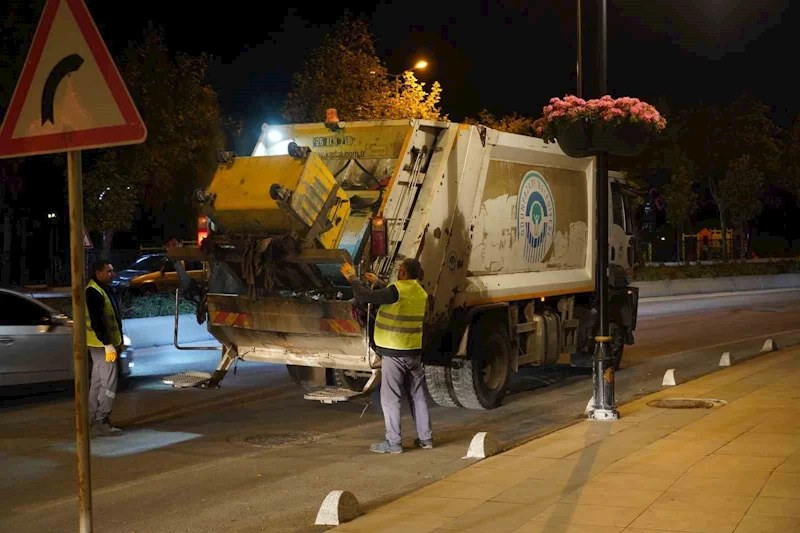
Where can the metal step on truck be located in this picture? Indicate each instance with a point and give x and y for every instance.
(502, 224)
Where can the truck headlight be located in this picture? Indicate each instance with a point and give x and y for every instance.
(126, 341)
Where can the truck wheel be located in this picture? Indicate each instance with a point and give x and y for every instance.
(436, 380)
(617, 344)
(482, 384)
(348, 382)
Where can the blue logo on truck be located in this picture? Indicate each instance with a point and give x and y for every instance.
(536, 215)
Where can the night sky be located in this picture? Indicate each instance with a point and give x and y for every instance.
(504, 57)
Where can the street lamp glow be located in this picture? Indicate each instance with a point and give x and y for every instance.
(420, 65)
(274, 136)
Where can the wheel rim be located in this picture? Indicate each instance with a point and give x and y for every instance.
(494, 368)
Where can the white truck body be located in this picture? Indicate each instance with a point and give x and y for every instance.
(502, 224)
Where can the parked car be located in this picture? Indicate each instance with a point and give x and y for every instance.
(152, 273)
(36, 343)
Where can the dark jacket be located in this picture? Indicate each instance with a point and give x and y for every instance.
(95, 303)
(385, 296)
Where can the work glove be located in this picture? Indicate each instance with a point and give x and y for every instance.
(111, 353)
(348, 271)
(371, 278)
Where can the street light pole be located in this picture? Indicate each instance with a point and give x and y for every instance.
(580, 52)
(605, 405)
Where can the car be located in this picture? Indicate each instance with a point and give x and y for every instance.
(153, 273)
(36, 343)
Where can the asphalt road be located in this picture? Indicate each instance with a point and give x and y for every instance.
(254, 456)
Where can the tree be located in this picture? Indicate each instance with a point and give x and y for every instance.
(345, 73)
(740, 192)
(791, 177)
(513, 123)
(408, 100)
(681, 199)
(185, 131)
(750, 131)
(715, 137)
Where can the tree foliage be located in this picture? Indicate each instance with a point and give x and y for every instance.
(185, 130)
(791, 163)
(513, 123)
(740, 192)
(408, 99)
(681, 197)
(345, 73)
(750, 131)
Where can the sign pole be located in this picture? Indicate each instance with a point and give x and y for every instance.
(76, 250)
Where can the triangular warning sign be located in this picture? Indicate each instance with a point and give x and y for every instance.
(70, 95)
(87, 242)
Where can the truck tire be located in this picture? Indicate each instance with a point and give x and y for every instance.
(617, 344)
(436, 380)
(348, 382)
(482, 384)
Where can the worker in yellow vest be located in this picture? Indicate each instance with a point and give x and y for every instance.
(398, 340)
(104, 340)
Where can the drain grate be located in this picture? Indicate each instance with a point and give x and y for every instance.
(278, 440)
(686, 403)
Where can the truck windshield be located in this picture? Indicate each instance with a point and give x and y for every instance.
(618, 207)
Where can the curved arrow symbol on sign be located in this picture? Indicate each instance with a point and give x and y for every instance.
(65, 67)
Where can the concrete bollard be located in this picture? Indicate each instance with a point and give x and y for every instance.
(726, 359)
(339, 506)
(483, 445)
(769, 346)
(669, 378)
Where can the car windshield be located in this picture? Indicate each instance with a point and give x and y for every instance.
(149, 263)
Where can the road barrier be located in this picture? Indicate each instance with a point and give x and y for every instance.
(691, 286)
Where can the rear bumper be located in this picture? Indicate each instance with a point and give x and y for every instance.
(321, 351)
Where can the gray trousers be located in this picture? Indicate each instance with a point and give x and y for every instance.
(103, 388)
(398, 375)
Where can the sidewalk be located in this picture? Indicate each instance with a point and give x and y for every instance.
(730, 468)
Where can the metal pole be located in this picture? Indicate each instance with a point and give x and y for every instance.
(580, 52)
(75, 185)
(605, 405)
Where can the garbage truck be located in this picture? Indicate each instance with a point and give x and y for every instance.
(502, 224)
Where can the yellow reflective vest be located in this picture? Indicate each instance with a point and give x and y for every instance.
(109, 317)
(398, 326)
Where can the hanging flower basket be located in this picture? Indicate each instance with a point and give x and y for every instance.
(583, 128)
(627, 139)
(576, 139)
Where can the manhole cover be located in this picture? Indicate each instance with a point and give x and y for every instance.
(277, 440)
(686, 403)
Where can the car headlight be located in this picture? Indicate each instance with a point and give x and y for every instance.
(126, 340)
